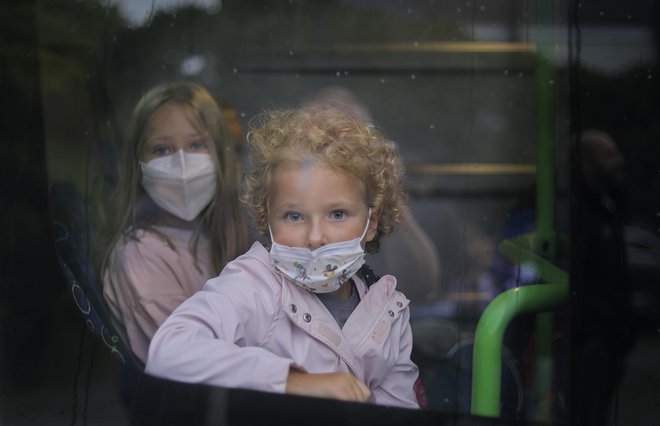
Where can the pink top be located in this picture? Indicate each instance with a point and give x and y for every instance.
(246, 327)
(146, 280)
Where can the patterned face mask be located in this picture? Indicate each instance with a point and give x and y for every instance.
(323, 270)
(182, 183)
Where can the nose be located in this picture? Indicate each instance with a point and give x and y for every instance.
(315, 235)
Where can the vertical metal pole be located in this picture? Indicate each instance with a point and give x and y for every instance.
(545, 125)
(545, 195)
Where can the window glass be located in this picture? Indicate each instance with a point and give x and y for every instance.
(511, 219)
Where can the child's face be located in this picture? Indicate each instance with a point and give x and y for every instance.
(170, 130)
(312, 205)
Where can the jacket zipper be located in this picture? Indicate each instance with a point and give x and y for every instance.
(348, 362)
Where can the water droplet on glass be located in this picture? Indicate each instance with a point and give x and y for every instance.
(235, 70)
(412, 76)
(338, 74)
(551, 82)
(432, 127)
(382, 81)
(601, 13)
(416, 44)
(506, 72)
(650, 76)
(409, 11)
(482, 8)
(458, 10)
(290, 52)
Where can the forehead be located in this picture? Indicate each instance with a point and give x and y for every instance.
(313, 182)
(172, 117)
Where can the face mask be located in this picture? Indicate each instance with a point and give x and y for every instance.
(181, 184)
(323, 270)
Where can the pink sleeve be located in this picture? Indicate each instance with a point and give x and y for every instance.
(216, 336)
(142, 291)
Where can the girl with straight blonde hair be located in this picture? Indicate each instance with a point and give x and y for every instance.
(177, 218)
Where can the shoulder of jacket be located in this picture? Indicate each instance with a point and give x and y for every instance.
(387, 285)
(251, 269)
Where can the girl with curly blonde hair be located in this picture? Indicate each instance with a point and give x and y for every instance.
(301, 313)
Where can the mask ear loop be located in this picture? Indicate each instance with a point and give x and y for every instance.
(366, 228)
(270, 232)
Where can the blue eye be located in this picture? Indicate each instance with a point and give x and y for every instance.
(161, 150)
(197, 145)
(338, 214)
(293, 217)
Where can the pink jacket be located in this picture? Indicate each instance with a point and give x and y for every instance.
(146, 279)
(246, 327)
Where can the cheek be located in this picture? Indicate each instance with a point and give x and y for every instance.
(287, 235)
(143, 155)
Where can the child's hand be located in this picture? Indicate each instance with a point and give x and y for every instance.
(342, 386)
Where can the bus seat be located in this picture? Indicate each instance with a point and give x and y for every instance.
(71, 225)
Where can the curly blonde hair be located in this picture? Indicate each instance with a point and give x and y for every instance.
(337, 139)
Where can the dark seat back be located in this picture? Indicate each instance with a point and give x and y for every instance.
(72, 225)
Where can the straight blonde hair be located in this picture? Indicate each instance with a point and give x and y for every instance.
(222, 221)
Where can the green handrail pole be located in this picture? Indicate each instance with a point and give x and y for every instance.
(540, 249)
(487, 371)
(543, 367)
(545, 194)
(545, 125)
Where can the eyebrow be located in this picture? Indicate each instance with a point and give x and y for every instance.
(159, 138)
(284, 206)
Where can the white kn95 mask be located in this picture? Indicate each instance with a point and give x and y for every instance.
(182, 183)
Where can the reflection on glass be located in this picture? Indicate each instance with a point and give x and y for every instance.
(484, 101)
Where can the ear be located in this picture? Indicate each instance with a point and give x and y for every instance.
(373, 224)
